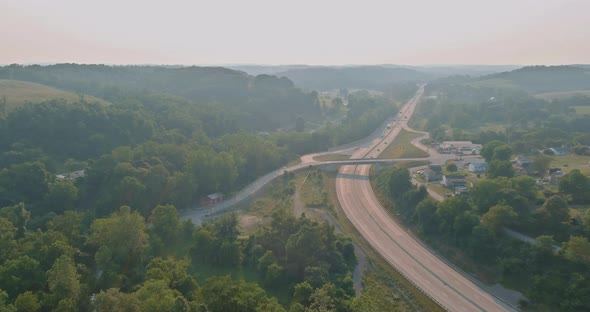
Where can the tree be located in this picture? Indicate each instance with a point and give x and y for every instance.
(322, 300)
(541, 163)
(452, 168)
(174, 273)
(5, 306)
(62, 196)
(554, 211)
(502, 152)
(577, 185)
(7, 241)
(299, 124)
(64, 283)
(155, 296)
(498, 217)
(577, 249)
(112, 300)
(487, 150)
(166, 222)
(424, 213)
(121, 240)
(500, 168)
(21, 274)
(399, 181)
(225, 294)
(27, 302)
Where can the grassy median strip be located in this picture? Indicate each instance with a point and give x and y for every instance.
(328, 157)
(402, 147)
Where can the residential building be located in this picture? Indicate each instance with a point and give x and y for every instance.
(555, 177)
(431, 175)
(559, 151)
(523, 161)
(480, 167)
(71, 176)
(451, 181)
(214, 198)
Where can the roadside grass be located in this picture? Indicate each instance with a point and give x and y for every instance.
(312, 190)
(582, 110)
(412, 163)
(293, 162)
(18, 93)
(412, 298)
(402, 147)
(328, 157)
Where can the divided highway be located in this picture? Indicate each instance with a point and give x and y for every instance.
(447, 287)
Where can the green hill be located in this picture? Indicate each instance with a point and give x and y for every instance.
(18, 93)
(353, 77)
(539, 79)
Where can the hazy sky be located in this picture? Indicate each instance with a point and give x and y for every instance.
(295, 32)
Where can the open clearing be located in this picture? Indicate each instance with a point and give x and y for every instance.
(18, 93)
(582, 110)
(402, 147)
(549, 96)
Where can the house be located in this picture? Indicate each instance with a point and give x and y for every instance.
(555, 177)
(523, 161)
(559, 151)
(451, 181)
(71, 176)
(431, 175)
(214, 198)
(479, 167)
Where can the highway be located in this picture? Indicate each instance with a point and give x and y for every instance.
(437, 279)
(450, 289)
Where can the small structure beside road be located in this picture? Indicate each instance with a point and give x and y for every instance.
(215, 198)
(459, 147)
(71, 176)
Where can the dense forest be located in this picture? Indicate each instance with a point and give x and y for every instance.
(111, 239)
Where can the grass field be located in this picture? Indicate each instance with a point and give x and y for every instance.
(569, 162)
(402, 147)
(329, 157)
(20, 92)
(582, 110)
(549, 96)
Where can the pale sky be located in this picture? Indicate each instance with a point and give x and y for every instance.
(319, 32)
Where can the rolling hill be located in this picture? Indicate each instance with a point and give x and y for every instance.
(20, 92)
(357, 77)
(539, 79)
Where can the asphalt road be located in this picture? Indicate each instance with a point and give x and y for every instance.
(429, 273)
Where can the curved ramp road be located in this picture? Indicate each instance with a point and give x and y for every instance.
(439, 281)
